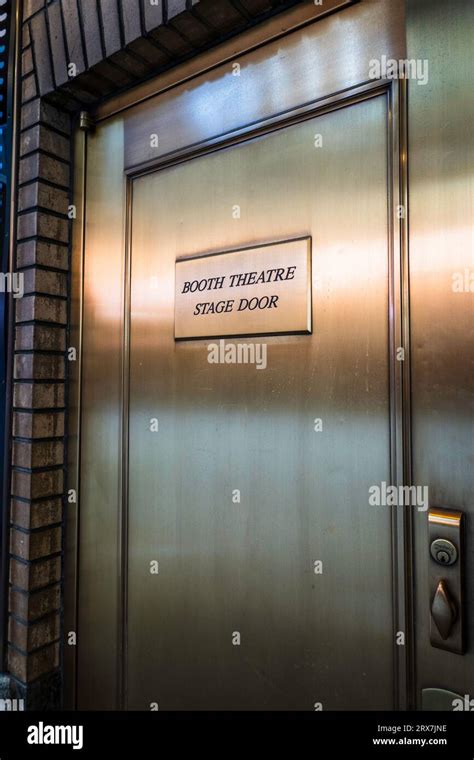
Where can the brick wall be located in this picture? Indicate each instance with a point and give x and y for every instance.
(38, 424)
(112, 44)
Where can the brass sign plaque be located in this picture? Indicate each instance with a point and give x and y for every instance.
(254, 291)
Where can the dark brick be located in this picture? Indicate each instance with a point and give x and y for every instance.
(172, 41)
(28, 88)
(129, 63)
(173, 7)
(40, 166)
(37, 484)
(41, 308)
(30, 667)
(26, 38)
(32, 454)
(58, 45)
(27, 62)
(31, 546)
(62, 98)
(29, 637)
(39, 194)
(30, 577)
(111, 26)
(42, 281)
(44, 601)
(150, 52)
(131, 20)
(39, 38)
(36, 514)
(30, 607)
(196, 32)
(220, 14)
(73, 34)
(40, 137)
(39, 110)
(32, 6)
(40, 337)
(39, 367)
(254, 7)
(40, 252)
(44, 225)
(93, 84)
(39, 395)
(38, 424)
(117, 76)
(152, 14)
(90, 20)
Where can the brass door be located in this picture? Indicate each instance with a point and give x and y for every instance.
(299, 145)
(234, 490)
(279, 585)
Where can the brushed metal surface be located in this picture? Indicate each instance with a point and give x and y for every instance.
(248, 567)
(441, 174)
(254, 291)
(99, 513)
(329, 56)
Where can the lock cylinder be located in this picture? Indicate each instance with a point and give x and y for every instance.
(443, 551)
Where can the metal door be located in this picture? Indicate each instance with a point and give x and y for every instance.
(298, 593)
(272, 582)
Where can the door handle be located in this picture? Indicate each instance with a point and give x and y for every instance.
(445, 533)
(443, 610)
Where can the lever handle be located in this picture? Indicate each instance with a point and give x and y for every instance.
(443, 610)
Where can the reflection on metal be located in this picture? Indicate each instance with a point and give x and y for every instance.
(445, 529)
(254, 291)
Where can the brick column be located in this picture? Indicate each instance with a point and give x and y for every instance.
(38, 445)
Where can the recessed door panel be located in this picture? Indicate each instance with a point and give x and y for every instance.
(259, 577)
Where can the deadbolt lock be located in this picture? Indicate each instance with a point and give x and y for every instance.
(445, 575)
(443, 551)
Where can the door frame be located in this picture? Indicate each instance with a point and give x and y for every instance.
(398, 325)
